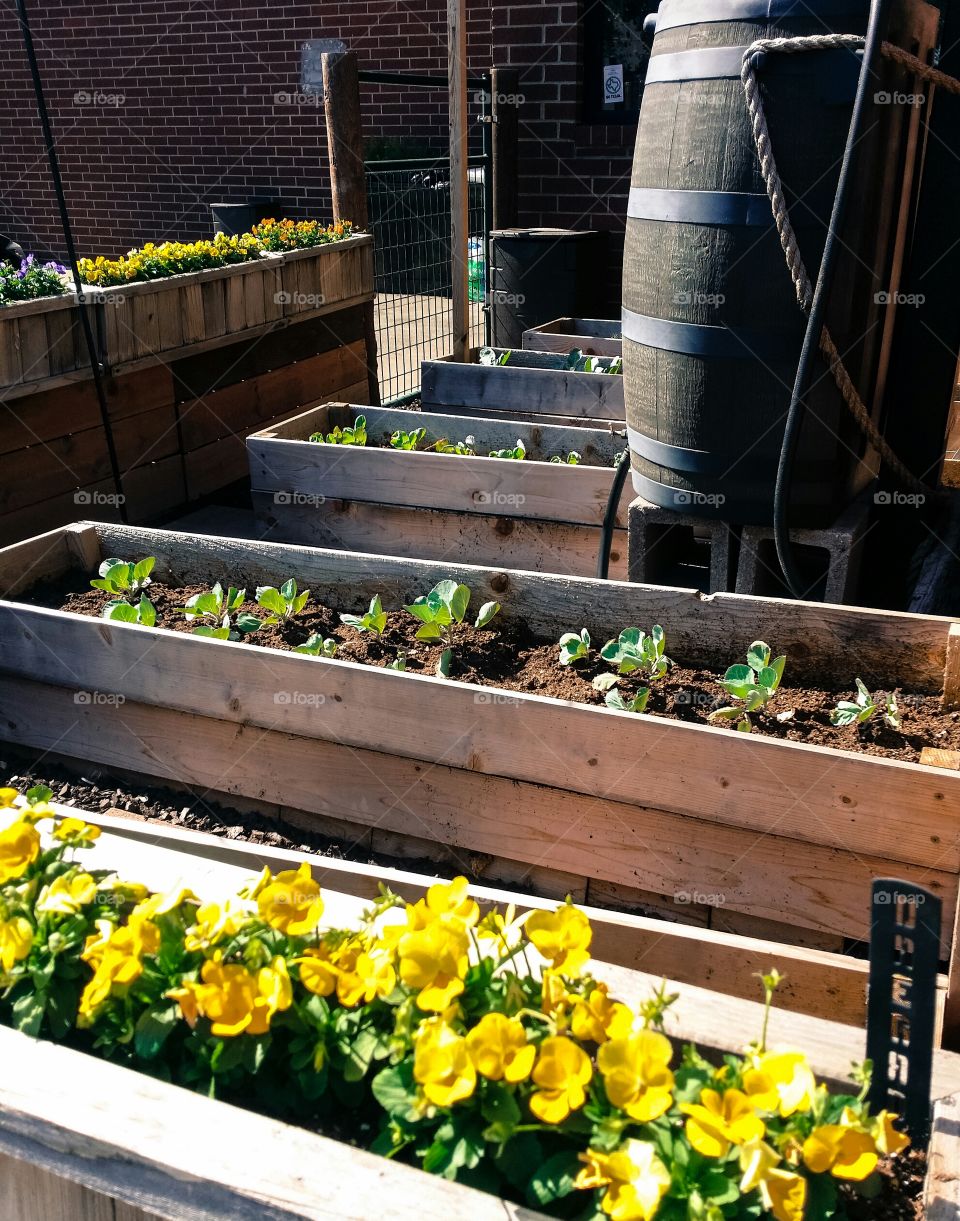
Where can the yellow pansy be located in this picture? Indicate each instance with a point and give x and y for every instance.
(235, 1000)
(780, 1082)
(162, 903)
(784, 1194)
(19, 848)
(433, 962)
(291, 903)
(75, 831)
(214, 922)
(721, 1120)
(8, 797)
(636, 1074)
(757, 1159)
(506, 928)
(66, 895)
(888, 1139)
(363, 975)
(499, 1048)
(635, 1177)
(446, 899)
(442, 1066)
(317, 973)
(562, 936)
(16, 938)
(556, 1002)
(592, 1015)
(846, 1152)
(116, 957)
(561, 1071)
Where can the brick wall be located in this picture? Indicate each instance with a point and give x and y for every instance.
(155, 119)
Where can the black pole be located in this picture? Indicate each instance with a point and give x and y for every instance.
(92, 352)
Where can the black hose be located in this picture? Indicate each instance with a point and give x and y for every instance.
(87, 329)
(811, 340)
(610, 516)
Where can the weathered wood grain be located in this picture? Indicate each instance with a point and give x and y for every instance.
(530, 390)
(593, 336)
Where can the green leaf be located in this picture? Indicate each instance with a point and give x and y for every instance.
(459, 602)
(213, 633)
(247, 622)
(553, 1179)
(767, 677)
(121, 612)
(154, 1028)
(725, 714)
(758, 655)
(499, 1108)
(487, 612)
(28, 1011)
(396, 1092)
(143, 569)
(443, 665)
(271, 599)
(516, 1158)
(147, 611)
(429, 631)
(603, 682)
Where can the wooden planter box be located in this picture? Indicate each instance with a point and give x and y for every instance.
(42, 339)
(778, 835)
(531, 514)
(82, 1137)
(531, 387)
(200, 309)
(593, 336)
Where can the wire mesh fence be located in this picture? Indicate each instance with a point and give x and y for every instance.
(409, 207)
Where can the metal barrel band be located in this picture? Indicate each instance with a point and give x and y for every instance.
(726, 63)
(676, 13)
(711, 342)
(675, 457)
(699, 207)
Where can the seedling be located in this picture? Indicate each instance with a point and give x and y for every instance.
(375, 619)
(634, 650)
(440, 611)
(120, 578)
(604, 682)
(754, 684)
(638, 703)
(349, 435)
(519, 452)
(463, 448)
(574, 648)
(283, 603)
(317, 646)
(144, 613)
(407, 440)
(399, 662)
(574, 357)
(489, 357)
(865, 706)
(597, 364)
(214, 610)
(572, 459)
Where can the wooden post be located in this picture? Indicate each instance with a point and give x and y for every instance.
(504, 86)
(348, 180)
(951, 673)
(459, 215)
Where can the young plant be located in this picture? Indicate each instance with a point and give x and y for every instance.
(374, 620)
(754, 685)
(519, 452)
(407, 440)
(317, 646)
(574, 357)
(573, 647)
(613, 699)
(634, 650)
(144, 613)
(355, 434)
(399, 662)
(215, 609)
(441, 611)
(865, 706)
(283, 603)
(124, 580)
(463, 448)
(489, 357)
(572, 459)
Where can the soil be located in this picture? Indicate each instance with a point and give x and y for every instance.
(901, 1191)
(506, 655)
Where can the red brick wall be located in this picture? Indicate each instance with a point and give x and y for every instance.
(183, 111)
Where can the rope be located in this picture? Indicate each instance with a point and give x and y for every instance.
(781, 214)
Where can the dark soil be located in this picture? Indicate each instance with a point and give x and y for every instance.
(508, 656)
(901, 1191)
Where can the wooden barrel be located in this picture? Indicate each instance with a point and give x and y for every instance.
(711, 326)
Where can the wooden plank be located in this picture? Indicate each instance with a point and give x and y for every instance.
(34, 349)
(145, 321)
(764, 875)
(446, 385)
(171, 314)
(530, 543)
(593, 336)
(934, 757)
(941, 1197)
(951, 674)
(534, 487)
(142, 1148)
(11, 366)
(191, 305)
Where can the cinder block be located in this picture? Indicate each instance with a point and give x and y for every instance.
(828, 559)
(670, 548)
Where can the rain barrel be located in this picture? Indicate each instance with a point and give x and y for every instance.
(711, 327)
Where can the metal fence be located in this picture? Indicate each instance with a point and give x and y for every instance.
(409, 206)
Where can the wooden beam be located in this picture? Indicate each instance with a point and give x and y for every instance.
(459, 199)
(951, 674)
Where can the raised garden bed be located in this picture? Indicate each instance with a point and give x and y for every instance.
(776, 832)
(532, 513)
(43, 339)
(592, 336)
(533, 386)
(78, 1135)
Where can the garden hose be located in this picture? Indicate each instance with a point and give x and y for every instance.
(610, 516)
(811, 339)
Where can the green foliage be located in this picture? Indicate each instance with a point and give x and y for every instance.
(865, 706)
(407, 440)
(634, 650)
(399, 662)
(144, 613)
(441, 611)
(355, 434)
(374, 620)
(463, 448)
(317, 646)
(572, 459)
(122, 579)
(283, 603)
(489, 357)
(518, 453)
(215, 610)
(636, 703)
(753, 685)
(574, 647)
